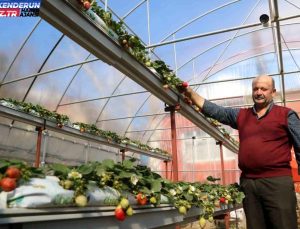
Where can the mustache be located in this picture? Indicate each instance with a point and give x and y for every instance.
(259, 97)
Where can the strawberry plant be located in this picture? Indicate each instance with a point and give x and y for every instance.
(14, 172)
(128, 178)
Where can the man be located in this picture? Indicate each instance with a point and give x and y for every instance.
(267, 133)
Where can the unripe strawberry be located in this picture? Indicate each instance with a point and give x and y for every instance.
(129, 211)
(228, 197)
(81, 201)
(124, 203)
(182, 210)
(211, 219)
(202, 222)
(67, 184)
(217, 203)
(153, 200)
(148, 64)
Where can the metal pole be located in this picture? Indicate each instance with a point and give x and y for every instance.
(86, 151)
(45, 142)
(38, 147)
(278, 46)
(174, 145)
(122, 154)
(175, 55)
(166, 164)
(148, 24)
(222, 162)
(193, 158)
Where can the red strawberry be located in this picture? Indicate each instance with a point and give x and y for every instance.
(141, 199)
(119, 213)
(8, 184)
(185, 84)
(86, 5)
(13, 172)
(59, 125)
(222, 199)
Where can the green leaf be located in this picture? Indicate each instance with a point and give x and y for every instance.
(3, 165)
(188, 197)
(128, 164)
(37, 172)
(124, 174)
(125, 187)
(60, 169)
(145, 190)
(240, 197)
(15, 162)
(100, 170)
(85, 169)
(155, 185)
(108, 163)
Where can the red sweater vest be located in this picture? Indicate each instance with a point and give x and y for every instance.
(265, 148)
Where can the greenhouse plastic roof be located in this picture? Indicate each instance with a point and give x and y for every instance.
(217, 46)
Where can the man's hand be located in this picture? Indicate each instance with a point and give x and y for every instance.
(196, 99)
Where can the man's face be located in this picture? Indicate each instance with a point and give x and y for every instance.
(262, 91)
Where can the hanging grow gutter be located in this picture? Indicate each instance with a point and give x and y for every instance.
(79, 28)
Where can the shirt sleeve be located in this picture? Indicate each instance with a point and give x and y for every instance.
(225, 115)
(294, 130)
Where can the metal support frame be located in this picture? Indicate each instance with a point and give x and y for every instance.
(222, 162)
(166, 165)
(38, 147)
(278, 46)
(99, 217)
(172, 110)
(122, 151)
(52, 126)
(40, 130)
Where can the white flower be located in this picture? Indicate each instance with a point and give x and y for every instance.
(192, 188)
(134, 179)
(74, 174)
(179, 190)
(172, 192)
